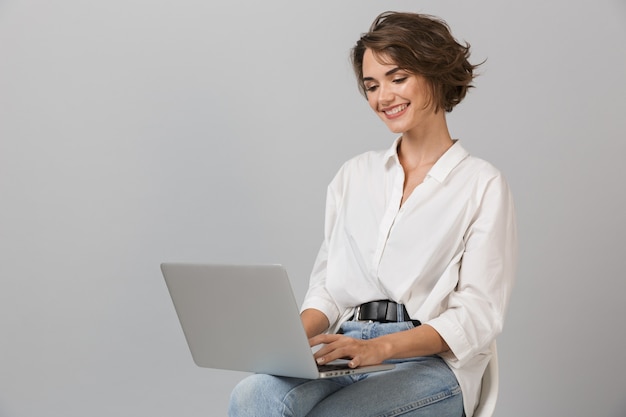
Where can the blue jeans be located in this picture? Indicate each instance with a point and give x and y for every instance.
(417, 387)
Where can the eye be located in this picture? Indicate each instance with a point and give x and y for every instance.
(400, 80)
(369, 88)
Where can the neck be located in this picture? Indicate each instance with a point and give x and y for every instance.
(424, 145)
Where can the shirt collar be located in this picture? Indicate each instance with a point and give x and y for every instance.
(446, 163)
(391, 156)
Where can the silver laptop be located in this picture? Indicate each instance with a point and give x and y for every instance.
(245, 318)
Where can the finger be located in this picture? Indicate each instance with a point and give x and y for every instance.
(331, 352)
(354, 362)
(323, 339)
(323, 351)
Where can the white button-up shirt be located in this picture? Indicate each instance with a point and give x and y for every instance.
(448, 253)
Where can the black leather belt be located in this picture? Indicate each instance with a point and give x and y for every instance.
(383, 311)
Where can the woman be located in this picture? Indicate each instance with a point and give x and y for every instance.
(419, 254)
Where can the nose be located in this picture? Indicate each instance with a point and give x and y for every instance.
(385, 94)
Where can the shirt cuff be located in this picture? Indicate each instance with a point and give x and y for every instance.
(329, 309)
(454, 336)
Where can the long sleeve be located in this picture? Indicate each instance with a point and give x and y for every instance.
(317, 296)
(476, 308)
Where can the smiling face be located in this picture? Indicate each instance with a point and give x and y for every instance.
(402, 100)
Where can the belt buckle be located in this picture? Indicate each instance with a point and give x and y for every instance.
(357, 315)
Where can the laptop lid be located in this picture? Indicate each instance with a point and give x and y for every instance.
(244, 318)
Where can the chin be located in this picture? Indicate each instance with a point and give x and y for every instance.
(395, 129)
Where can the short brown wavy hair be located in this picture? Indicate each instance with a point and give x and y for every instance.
(423, 45)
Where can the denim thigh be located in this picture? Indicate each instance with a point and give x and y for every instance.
(262, 395)
(417, 387)
(420, 387)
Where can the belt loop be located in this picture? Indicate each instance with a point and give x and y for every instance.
(382, 311)
(391, 313)
(400, 312)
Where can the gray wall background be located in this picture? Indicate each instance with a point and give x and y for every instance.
(134, 132)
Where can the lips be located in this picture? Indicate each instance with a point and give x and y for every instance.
(395, 111)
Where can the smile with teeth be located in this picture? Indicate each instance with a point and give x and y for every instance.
(395, 110)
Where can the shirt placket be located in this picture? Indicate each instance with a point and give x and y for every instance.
(392, 210)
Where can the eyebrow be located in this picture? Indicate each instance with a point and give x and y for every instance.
(388, 73)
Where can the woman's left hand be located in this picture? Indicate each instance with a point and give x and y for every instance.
(359, 352)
